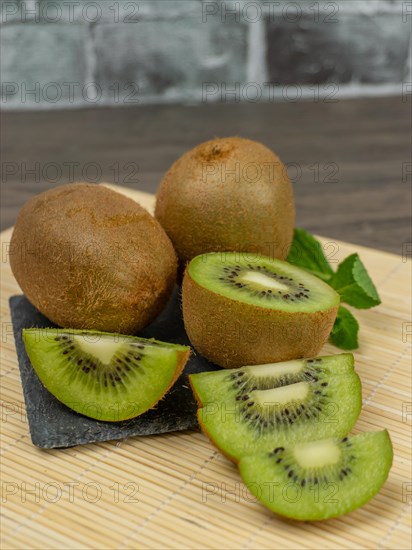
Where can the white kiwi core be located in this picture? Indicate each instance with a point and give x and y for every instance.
(102, 349)
(262, 280)
(275, 369)
(316, 454)
(282, 396)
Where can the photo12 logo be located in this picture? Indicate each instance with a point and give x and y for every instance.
(272, 10)
(70, 491)
(69, 11)
(70, 92)
(289, 492)
(254, 92)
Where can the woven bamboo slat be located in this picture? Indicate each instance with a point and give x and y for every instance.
(176, 490)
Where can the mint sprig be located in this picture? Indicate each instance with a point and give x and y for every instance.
(354, 284)
(345, 330)
(351, 281)
(307, 252)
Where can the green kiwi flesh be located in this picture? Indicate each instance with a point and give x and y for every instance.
(105, 376)
(298, 402)
(318, 480)
(262, 281)
(241, 310)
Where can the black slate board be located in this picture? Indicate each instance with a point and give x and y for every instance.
(53, 425)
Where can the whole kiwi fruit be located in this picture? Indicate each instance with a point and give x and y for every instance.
(228, 194)
(90, 258)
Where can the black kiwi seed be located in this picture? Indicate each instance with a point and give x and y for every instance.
(278, 449)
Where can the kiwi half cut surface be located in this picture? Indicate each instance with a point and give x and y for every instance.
(242, 310)
(105, 376)
(319, 479)
(243, 410)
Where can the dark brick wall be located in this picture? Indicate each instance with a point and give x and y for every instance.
(62, 53)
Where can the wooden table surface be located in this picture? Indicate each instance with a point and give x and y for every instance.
(348, 159)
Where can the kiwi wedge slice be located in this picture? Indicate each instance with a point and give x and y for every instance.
(241, 309)
(243, 410)
(105, 376)
(210, 387)
(321, 479)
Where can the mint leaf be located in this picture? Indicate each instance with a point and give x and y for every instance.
(351, 281)
(345, 330)
(307, 252)
(354, 285)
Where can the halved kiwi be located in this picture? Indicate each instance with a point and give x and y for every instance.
(319, 479)
(105, 376)
(242, 309)
(300, 401)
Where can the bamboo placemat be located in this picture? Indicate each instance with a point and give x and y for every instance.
(176, 490)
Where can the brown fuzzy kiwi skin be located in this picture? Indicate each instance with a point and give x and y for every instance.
(90, 258)
(229, 194)
(232, 334)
